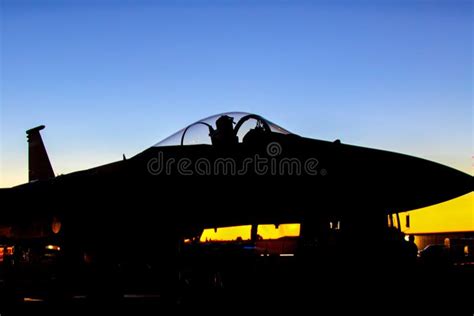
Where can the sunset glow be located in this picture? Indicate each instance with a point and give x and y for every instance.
(226, 233)
(451, 216)
(265, 231)
(283, 230)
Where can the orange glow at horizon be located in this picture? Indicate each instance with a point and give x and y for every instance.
(226, 233)
(284, 230)
(451, 216)
(266, 231)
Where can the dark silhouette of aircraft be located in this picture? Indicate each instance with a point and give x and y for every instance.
(226, 170)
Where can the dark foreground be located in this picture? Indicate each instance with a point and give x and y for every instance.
(425, 290)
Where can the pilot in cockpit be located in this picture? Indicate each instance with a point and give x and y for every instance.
(224, 134)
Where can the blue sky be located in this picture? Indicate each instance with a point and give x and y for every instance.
(113, 77)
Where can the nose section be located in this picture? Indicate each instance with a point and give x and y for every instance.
(396, 182)
(430, 183)
(408, 182)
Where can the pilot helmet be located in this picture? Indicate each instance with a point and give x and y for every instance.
(225, 123)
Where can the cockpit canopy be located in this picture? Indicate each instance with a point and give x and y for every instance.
(225, 128)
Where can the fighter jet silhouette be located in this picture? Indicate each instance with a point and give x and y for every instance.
(226, 170)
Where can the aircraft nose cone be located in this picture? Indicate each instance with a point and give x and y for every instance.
(396, 181)
(410, 182)
(430, 183)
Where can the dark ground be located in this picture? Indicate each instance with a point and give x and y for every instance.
(425, 291)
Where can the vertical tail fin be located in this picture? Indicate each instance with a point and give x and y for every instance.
(39, 166)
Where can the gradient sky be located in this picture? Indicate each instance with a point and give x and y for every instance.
(114, 77)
